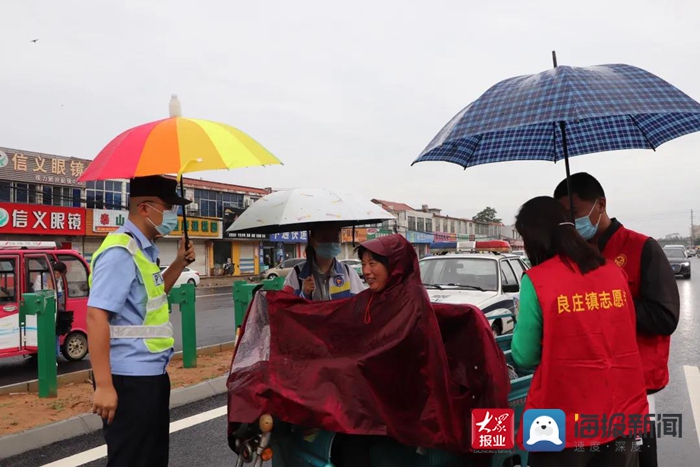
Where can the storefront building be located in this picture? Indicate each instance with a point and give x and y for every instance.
(41, 198)
(245, 250)
(288, 245)
(421, 242)
(32, 222)
(201, 232)
(362, 234)
(99, 223)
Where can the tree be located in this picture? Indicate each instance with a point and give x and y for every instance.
(487, 215)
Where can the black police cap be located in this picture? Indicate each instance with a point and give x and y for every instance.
(156, 185)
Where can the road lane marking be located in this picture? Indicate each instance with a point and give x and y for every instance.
(197, 419)
(230, 294)
(101, 451)
(692, 380)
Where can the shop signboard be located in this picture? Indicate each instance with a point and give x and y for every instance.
(289, 237)
(108, 220)
(360, 235)
(37, 219)
(199, 227)
(32, 167)
(378, 233)
(246, 236)
(419, 237)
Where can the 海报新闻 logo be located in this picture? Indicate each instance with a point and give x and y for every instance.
(544, 430)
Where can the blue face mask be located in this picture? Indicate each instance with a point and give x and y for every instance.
(169, 222)
(585, 227)
(327, 250)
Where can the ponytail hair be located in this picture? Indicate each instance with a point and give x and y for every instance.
(547, 231)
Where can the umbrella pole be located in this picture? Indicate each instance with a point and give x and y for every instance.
(562, 126)
(184, 216)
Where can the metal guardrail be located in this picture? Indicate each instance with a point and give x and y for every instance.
(43, 305)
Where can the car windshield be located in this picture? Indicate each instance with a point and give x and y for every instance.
(675, 253)
(467, 272)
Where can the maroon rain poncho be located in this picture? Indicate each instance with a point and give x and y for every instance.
(388, 363)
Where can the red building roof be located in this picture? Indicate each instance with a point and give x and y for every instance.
(391, 206)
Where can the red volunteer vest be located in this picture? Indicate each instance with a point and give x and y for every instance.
(590, 362)
(625, 248)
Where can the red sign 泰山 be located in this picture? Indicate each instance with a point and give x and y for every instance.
(41, 220)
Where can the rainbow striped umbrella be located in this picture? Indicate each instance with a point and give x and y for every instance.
(177, 145)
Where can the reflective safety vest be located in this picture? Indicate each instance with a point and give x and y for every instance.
(156, 330)
(590, 362)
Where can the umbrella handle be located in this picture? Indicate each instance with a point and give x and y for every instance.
(184, 221)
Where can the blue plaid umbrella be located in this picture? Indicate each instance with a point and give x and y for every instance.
(564, 112)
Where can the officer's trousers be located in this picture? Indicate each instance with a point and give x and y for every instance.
(139, 433)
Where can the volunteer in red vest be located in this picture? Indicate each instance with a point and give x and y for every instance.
(651, 281)
(576, 324)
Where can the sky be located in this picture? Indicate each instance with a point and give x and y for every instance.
(346, 94)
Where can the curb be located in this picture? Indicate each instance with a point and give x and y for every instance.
(81, 376)
(19, 443)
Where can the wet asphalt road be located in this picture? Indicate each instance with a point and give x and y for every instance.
(214, 326)
(205, 443)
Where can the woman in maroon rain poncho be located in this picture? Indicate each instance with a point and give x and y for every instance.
(386, 362)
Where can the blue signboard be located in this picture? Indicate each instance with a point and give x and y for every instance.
(419, 237)
(289, 237)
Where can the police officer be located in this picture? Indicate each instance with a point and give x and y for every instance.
(129, 329)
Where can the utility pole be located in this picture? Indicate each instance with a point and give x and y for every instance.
(692, 231)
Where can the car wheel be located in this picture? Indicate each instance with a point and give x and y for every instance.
(496, 328)
(75, 346)
(193, 282)
(687, 276)
(272, 276)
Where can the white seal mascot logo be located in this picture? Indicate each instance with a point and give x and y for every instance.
(544, 428)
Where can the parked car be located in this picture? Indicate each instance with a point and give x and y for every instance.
(282, 269)
(488, 281)
(675, 246)
(523, 256)
(188, 276)
(355, 264)
(691, 252)
(680, 263)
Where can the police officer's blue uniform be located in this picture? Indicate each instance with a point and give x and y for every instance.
(139, 433)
